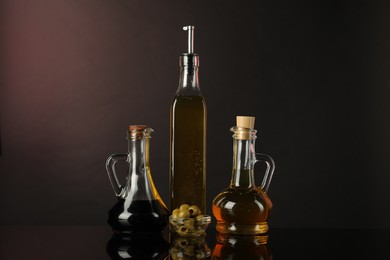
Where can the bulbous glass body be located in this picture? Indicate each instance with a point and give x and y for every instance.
(242, 211)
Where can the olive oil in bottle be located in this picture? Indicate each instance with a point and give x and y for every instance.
(188, 135)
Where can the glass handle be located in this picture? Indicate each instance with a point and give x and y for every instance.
(269, 170)
(110, 167)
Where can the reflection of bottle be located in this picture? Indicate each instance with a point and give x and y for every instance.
(241, 247)
(244, 208)
(188, 135)
(138, 247)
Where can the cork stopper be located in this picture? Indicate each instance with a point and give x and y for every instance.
(244, 129)
(133, 128)
(139, 131)
(246, 121)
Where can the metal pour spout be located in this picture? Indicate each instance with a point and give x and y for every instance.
(190, 30)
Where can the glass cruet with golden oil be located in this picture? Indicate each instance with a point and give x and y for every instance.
(139, 208)
(244, 208)
(188, 135)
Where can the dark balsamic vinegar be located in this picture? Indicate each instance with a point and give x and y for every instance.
(141, 216)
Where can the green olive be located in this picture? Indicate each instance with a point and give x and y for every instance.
(175, 213)
(184, 214)
(194, 210)
(199, 217)
(189, 223)
(182, 231)
(182, 242)
(184, 207)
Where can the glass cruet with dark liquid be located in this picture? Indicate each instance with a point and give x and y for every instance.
(244, 208)
(140, 208)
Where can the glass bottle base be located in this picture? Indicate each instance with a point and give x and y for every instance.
(242, 229)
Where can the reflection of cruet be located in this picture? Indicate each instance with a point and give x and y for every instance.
(241, 247)
(138, 247)
(140, 208)
(244, 208)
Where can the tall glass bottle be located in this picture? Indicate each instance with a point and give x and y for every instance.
(188, 135)
(244, 208)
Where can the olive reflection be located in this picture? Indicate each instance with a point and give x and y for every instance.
(241, 247)
(151, 246)
(188, 248)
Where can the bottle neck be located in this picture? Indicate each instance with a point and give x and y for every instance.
(139, 184)
(139, 155)
(189, 81)
(243, 164)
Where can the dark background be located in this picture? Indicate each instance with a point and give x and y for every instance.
(314, 73)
